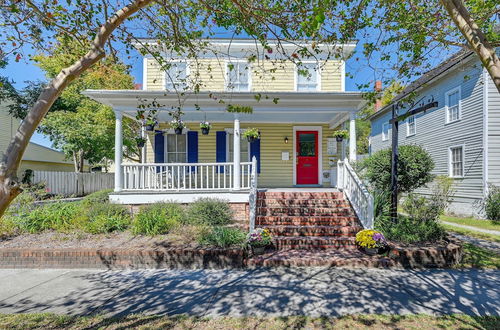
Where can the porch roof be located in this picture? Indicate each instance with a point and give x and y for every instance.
(292, 107)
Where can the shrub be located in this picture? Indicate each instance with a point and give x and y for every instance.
(8, 227)
(57, 216)
(106, 218)
(410, 230)
(223, 237)
(158, 218)
(210, 211)
(99, 197)
(491, 203)
(414, 168)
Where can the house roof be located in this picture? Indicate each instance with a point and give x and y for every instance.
(436, 72)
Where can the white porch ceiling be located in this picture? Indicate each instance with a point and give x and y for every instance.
(292, 107)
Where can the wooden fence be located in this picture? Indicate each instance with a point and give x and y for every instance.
(74, 184)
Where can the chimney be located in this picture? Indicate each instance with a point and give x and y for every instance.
(137, 86)
(378, 89)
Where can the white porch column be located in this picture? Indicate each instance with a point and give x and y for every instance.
(143, 149)
(236, 154)
(352, 137)
(118, 151)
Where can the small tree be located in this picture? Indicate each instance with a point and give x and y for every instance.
(414, 169)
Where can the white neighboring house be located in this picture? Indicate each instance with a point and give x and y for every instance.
(462, 134)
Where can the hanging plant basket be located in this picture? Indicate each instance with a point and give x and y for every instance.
(252, 135)
(339, 138)
(178, 130)
(150, 127)
(252, 139)
(141, 143)
(340, 135)
(205, 130)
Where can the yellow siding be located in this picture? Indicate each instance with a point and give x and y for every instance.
(274, 171)
(266, 76)
(8, 126)
(44, 166)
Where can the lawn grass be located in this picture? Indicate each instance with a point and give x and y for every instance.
(476, 257)
(52, 321)
(482, 224)
(472, 233)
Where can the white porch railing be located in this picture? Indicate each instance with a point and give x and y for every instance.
(356, 192)
(184, 176)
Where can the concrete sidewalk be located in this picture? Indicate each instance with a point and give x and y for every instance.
(265, 292)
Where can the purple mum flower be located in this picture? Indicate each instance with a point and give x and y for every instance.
(378, 237)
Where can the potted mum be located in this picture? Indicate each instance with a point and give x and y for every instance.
(340, 135)
(140, 141)
(178, 125)
(252, 134)
(258, 239)
(372, 241)
(205, 127)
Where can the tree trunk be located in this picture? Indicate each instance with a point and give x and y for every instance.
(9, 182)
(475, 38)
(75, 161)
(82, 162)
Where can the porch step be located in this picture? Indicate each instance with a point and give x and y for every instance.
(295, 231)
(305, 211)
(299, 195)
(323, 202)
(330, 220)
(314, 243)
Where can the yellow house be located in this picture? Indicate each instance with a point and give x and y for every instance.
(36, 157)
(296, 105)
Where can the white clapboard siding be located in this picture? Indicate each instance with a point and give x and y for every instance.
(70, 183)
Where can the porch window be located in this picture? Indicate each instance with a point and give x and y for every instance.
(238, 78)
(411, 128)
(176, 148)
(386, 131)
(456, 162)
(244, 149)
(307, 77)
(176, 77)
(453, 107)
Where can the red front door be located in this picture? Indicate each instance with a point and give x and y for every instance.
(307, 157)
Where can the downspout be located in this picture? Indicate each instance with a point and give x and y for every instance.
(485, 131)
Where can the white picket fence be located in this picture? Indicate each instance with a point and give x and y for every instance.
(76, 184)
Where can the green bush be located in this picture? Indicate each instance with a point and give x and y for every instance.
(56, 216)
(223, 237)
(410, 230)
(210, 211)
(106, 218)
(492, 203)
(158, 218)
(99, 197)
(414, 168)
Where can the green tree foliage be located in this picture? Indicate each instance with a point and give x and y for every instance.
(414, 168)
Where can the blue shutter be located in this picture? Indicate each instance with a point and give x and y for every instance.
(220, 148)
(255, 151)
(159, 147)
(192, 146)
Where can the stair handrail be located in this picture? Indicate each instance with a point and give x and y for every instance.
(356, 192)
(252, 198)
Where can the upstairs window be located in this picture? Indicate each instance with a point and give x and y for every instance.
(453, 108)
(411, 128)
(176, 148)
(238, 77)
(456, 166)
(176, 77)
(386, 131)
(307, 77)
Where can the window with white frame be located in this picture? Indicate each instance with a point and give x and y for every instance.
(238, 77)
(176, 76)
(453, 108)
(457, 162)
(386, 131)
(244, 149)
(411, 128)
(307, 77)
(176, 148)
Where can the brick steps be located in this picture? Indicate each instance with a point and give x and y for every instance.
(336, 231)
(313, 243)
(306, 221)
(324, 203)
(299, 195)
(304, 211)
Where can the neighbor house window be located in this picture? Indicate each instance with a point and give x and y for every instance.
(238, 77)
(176, 76)
(411, 128)
(244, 149)
(176, 148)
(457, 162)
(386, 131)
(307, 77)
(453, 109)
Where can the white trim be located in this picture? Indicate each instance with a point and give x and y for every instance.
(485, 131)
(226, 74)
(145, 198)
(385, 137)
(450, 169)
(408, 126)
(165, 138)
(144, 73)
(342, 77)
(318, 76)
(451, 91)
(320, 151)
